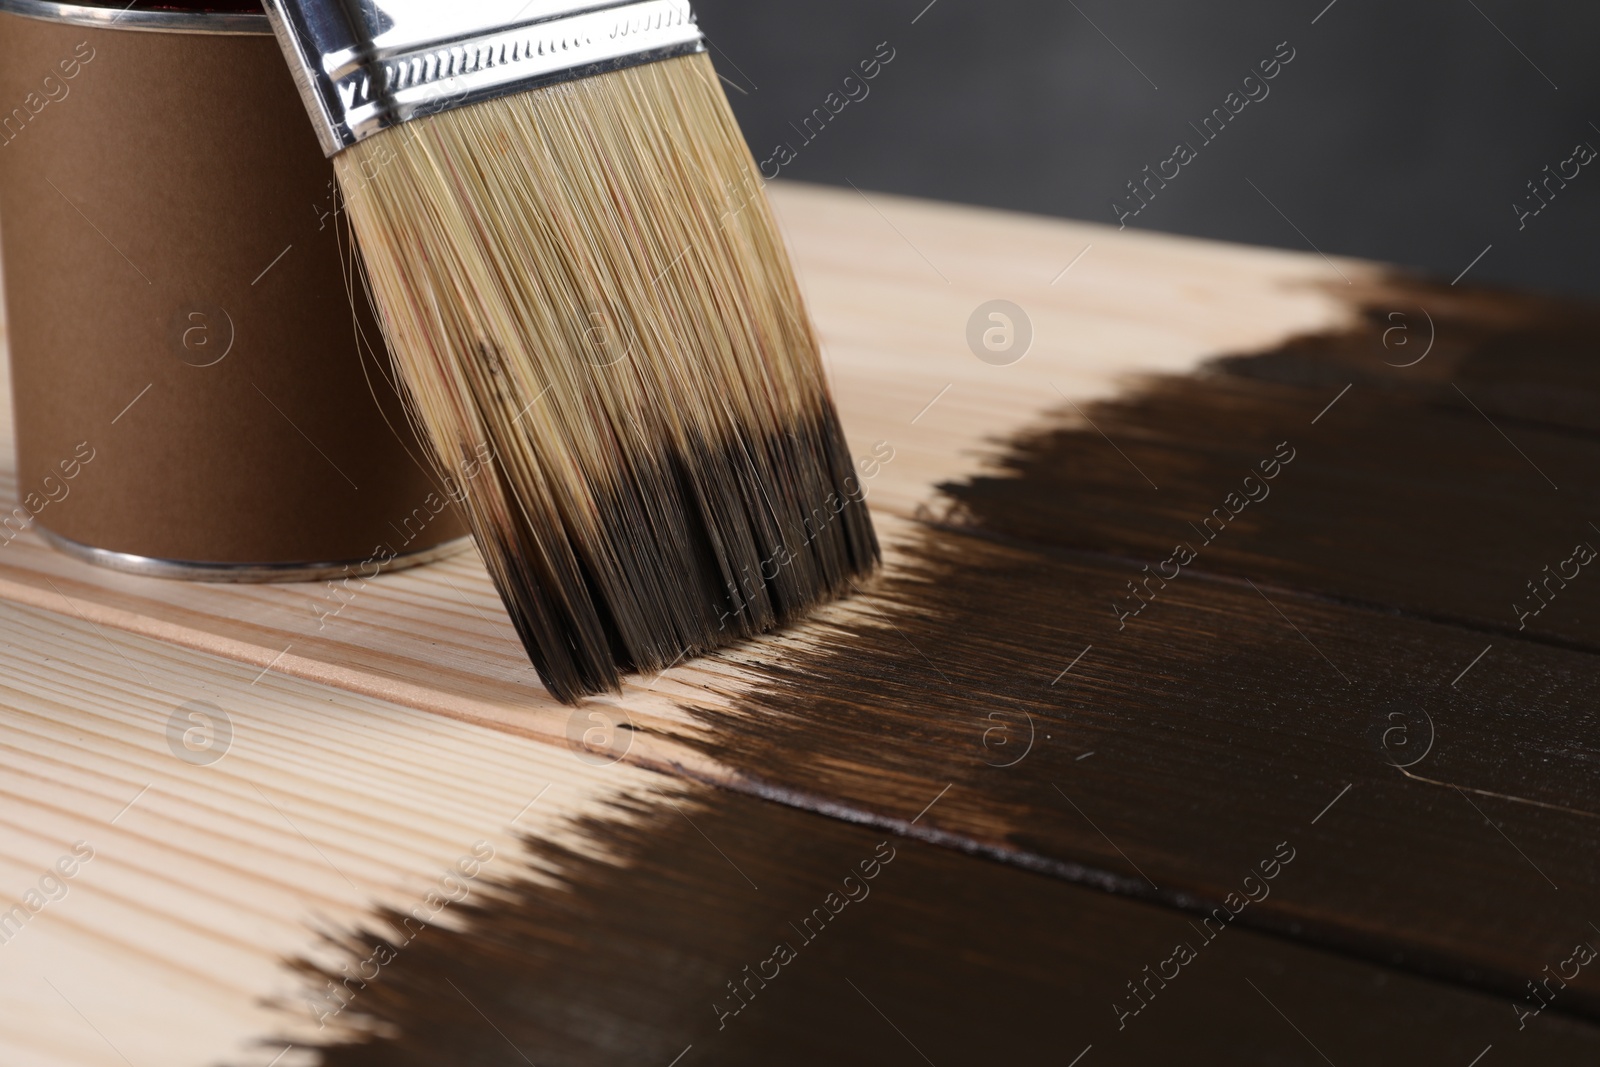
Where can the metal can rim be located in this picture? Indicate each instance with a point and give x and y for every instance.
(235, 23)
(246, 573)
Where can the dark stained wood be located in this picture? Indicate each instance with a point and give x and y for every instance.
(1318, 641)
(1403, 496)
(1523, 358)
(1075, 779)
(941, 958)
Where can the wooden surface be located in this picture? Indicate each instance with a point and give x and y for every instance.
(1271, 680)
(894, 333)
(374, 748)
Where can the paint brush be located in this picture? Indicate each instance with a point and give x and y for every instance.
(597, 325)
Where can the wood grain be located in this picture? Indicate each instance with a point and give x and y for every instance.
(739, 931)
(167, 944)
(1148, 734)
(1221, 721)
(894, 336)
(1431, 489)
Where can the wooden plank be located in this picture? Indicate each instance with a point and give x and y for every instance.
(1408, 494)
(1299, 646)
(615, 909)
(1171, 752)
(737, 931)
(191, 883)
(1522, 357)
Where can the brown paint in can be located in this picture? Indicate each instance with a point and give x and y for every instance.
(196, 392)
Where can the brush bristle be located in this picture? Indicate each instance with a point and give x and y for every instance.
(584, 291)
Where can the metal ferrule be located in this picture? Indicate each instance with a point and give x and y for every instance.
(366, 65)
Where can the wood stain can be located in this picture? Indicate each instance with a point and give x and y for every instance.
(200, 388)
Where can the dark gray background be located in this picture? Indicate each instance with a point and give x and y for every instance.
(1403, 130)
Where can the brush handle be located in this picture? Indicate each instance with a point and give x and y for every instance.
(366, 65)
